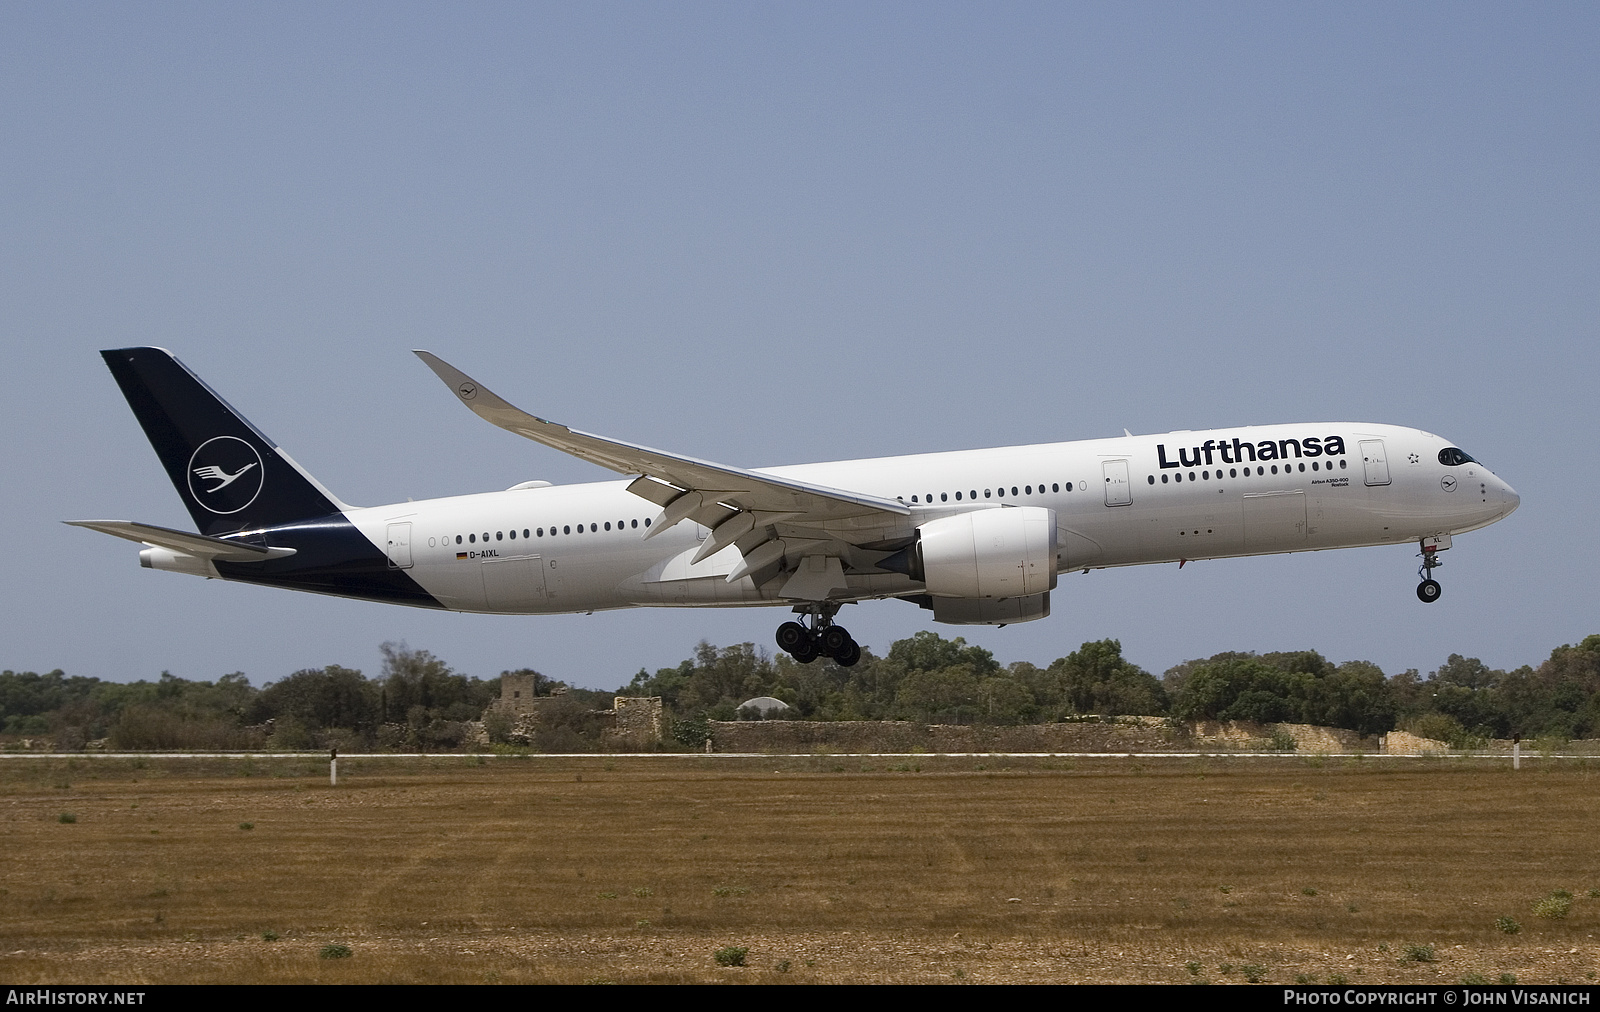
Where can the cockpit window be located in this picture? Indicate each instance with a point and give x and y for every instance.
(1451, 457)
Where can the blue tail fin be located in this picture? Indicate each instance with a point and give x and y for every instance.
(229, 475)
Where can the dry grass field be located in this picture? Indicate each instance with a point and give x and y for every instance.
(824, 869)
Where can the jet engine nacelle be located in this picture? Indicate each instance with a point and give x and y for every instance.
(956, 611)
(993, 553)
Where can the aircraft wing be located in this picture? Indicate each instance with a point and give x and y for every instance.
(198, 545)
(744, 508)
(667, 477)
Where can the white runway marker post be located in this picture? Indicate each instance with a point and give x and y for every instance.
(333, 767)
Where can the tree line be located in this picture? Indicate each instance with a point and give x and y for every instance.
(930, 679)
(417, 702)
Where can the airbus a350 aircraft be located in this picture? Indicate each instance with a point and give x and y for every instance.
(975, 536)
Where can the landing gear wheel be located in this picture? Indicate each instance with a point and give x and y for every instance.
(849, 658)
(1428, 591)
(791, 635)
(806, 643)
(835, 640)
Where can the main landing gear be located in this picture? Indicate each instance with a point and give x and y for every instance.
(1428, 590)
(823, 638)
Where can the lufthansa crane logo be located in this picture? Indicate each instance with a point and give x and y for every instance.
(467, 390)
(225, 474)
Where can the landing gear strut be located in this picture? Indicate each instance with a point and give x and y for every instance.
(823, 638)
(1428, 590)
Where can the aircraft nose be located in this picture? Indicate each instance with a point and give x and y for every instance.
(1509, 500)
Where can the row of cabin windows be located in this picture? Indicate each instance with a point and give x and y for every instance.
(539, 532)
(999, 492)
(1233, 472)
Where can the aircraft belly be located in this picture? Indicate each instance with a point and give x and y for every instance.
(457, 588)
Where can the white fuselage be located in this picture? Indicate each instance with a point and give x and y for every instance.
(1125, 501)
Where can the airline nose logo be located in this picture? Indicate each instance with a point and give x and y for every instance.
(1448, 483)
(225, 474)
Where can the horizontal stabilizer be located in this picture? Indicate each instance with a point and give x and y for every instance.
(198, 545)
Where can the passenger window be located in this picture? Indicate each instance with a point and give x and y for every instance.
(973, 493)
(944, 496)
(541, 532)
(593, 528)
(498, 536)
(1274, 468)
(1302, 467)
(1233, 472)
(913, 498)
(566, 529)
(647, 521)
(472, 538)
(458, 539)
(958, 497)
(608, 525)
(524, 532)
(1205, 475)
(636, 523)
(1069, 486)
(985, 494)
(1152, 479)
(1342, 464)
(513, 534)
(1163, 479)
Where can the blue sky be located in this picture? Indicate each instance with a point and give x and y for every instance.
(767, 234)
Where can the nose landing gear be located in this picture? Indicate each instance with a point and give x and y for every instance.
(823, 638)
(1428, 590)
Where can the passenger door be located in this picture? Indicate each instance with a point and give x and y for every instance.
(1375, 461)
(399, 546)
(1119, 490)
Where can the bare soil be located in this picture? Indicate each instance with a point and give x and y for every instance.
(825, 869)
